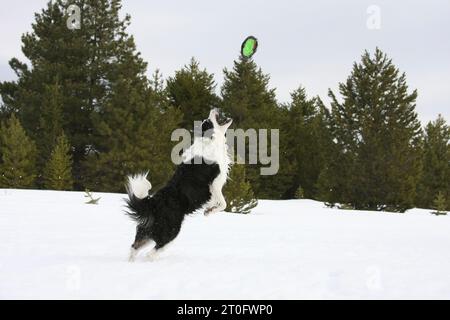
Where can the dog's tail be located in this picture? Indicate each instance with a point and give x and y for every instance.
(138, 198)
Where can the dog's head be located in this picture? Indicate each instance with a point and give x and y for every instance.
(212, 144)
(216, 125)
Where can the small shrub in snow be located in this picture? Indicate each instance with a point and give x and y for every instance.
(440, 204)
(238, 191)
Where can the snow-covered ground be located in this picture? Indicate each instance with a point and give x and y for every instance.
(52, 245)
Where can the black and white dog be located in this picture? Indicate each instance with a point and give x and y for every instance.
(196, 184)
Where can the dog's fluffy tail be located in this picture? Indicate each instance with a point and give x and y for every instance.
(138, 187)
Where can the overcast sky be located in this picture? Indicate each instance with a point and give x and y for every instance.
(309, 43)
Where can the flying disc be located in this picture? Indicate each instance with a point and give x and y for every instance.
(249, 46)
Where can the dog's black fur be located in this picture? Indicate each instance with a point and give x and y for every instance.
(160, 217)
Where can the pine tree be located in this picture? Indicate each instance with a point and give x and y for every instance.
(192, 91)
(50, 127)
(133, 136)
(238, 191)
(300, 194)
(51, 120)
(55, 52)
(18, 153)
(440, 204)
(377, 138)
(305, 139)
(58, 170)
(247, 98)
(89, 64)
(436, 164)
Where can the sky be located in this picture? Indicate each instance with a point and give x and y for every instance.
(307, 43)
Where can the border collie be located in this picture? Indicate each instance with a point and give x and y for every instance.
(196, 184)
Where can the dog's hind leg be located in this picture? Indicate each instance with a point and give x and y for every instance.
(136, 247)
(142, 239)
(161, 246)
(156, 252)
(133, 254)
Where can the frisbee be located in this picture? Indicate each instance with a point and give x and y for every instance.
(249, 46)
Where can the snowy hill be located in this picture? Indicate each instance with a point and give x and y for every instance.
(52, 245)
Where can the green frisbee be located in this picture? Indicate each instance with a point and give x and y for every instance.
(249, 47)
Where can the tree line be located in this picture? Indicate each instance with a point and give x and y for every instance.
(84, 114)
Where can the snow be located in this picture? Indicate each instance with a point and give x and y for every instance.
(53, 246)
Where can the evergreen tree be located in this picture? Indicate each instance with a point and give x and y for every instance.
(238, 191)
(58, 170)
(440, 204)
(436, 164)
(192, 90)
(133, 136)
(18, 153)
(300, 194)
(88, 63)
(50, 127)
(246, 97)
(377, 138)
(51, 120)
(55, 52)
(305, 140)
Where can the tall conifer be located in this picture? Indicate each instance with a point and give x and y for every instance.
(436, 164)
(376, 164)
(192, 91)
(247, 98)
